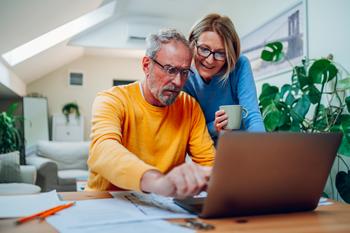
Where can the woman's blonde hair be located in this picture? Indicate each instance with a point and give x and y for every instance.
(223, 26)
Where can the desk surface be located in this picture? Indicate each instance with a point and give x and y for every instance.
(334, 218)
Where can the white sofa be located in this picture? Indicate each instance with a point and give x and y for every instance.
(60, 164)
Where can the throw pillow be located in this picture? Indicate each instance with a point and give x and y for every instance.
(10, 168)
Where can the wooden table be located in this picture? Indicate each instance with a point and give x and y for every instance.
(333, 218)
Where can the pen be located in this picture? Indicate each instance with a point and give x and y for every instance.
(53, 211)
(43, 213)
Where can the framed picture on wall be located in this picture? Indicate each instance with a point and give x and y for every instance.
(288, 27)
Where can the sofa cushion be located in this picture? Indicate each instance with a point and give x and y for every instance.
(18, 189)
(9, 168)
(68, 177)
(67, 155)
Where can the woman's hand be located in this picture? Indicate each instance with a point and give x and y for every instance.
(221, 120)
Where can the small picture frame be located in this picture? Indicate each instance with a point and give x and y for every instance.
(76, 79)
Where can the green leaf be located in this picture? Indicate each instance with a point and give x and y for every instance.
(295, 126)
(271, 117)
(344, 148)
(290, 99)
(11, 109)
(342, 183)
(272, 52)
(284, 89)
(268, 94)
(347, 101)
(322, 71)
(272, 120)
(302, 78)
(314, 94)
(344, 84)
(345, 126)
(299, 111)
(335, 128)
(321, 120)
(324, 194)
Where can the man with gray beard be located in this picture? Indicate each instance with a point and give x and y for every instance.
(141, 132)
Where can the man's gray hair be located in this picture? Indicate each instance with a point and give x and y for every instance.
(164, 36)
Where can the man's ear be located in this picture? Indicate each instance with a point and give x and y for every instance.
(146, 63)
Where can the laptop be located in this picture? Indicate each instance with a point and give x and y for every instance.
(266, 173)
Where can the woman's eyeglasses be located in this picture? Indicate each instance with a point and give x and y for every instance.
(172, 70)
(205, 52)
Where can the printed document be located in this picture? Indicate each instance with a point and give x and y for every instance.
(24, 205)
(124, 207)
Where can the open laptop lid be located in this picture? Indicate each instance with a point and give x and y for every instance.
(260, 173)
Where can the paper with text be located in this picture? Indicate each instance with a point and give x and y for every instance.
(124, 207)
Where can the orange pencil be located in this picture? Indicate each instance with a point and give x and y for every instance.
(30, 217)
(53, 211)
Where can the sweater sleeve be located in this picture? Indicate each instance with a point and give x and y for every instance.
(108, 157)
(200, 147)
(247, 97)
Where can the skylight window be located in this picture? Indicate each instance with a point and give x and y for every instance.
(58, 35)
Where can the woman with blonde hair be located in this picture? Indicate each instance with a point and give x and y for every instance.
(222, 76)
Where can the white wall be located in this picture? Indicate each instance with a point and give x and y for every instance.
(10, 80)
(98, 75)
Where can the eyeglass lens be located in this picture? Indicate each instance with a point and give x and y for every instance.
(205, 52)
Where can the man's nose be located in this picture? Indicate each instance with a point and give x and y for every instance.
(177, 80)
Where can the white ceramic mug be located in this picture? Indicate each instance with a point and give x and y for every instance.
(235, 116)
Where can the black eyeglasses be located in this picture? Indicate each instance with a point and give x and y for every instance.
(172, 70)
(205, 52)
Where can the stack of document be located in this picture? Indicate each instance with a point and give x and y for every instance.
(125, 212)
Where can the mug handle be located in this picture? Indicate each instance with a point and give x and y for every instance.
(245, 113)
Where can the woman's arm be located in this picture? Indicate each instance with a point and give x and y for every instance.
(247, 96)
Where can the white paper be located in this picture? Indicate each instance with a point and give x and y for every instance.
(24, 205)
(153, 205)
(324, 201)
(125, 207)
(152, 226)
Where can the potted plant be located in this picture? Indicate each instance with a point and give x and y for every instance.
(10, 137)
(315, 100)
(70, 108)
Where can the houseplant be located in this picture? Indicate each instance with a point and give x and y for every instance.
(315, 100)
(10, 136)
(70, 108)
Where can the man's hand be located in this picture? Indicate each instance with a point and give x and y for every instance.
(185, 180)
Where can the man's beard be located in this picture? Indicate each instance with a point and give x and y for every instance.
(168, 99)
(158, 94)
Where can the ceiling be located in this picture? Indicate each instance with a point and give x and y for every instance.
(24, 20)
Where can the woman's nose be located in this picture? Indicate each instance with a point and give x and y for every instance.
(210, 58)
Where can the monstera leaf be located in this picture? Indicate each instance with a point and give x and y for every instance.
(342, 182)
(272, 52)
(268, 94)
(300, 109)
(322, 71)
